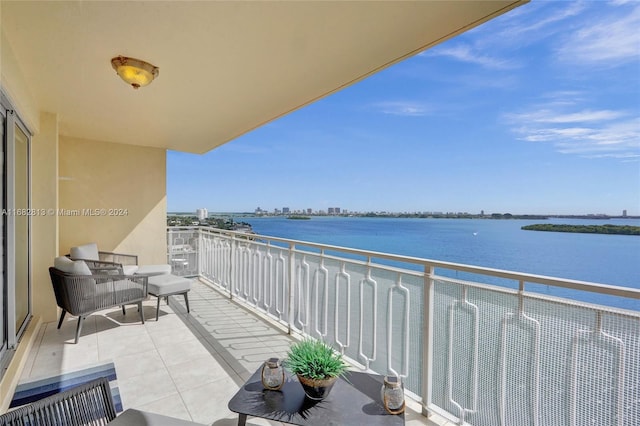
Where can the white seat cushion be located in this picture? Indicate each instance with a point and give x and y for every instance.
(85, 251)
(76, 267)
(151, 270)
(129, 269)
(160, 285)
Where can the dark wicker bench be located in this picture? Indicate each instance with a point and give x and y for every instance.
(87, 404)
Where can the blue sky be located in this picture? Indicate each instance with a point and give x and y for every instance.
(537, 111)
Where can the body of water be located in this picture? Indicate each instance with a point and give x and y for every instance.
(499, 244)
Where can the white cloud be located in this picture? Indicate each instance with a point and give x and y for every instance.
(411, 109)
(495, 44)
(589, 133)
(551, 116)
(522, 24)
(466, 53)
(608, 39)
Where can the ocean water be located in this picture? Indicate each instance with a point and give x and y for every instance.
(500, 244)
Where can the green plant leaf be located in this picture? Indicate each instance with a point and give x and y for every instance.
(314, 359)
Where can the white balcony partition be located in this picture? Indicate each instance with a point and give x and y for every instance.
(476, 353)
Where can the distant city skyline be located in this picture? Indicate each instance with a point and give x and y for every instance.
(534, 112)
(202, 213)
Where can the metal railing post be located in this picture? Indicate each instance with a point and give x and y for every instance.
(427, 338)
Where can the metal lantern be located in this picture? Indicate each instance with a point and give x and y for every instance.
(392, 395)
(272, 374)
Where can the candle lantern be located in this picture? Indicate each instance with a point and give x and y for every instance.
(272, 374)
(392, 395)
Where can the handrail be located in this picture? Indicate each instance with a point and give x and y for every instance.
(599, 288)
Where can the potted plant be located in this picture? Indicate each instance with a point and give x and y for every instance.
(317, 366)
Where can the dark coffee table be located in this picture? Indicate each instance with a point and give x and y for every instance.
(354, 400)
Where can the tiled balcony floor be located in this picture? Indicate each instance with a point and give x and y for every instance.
(185, 365)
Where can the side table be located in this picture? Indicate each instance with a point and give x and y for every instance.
(354, 400)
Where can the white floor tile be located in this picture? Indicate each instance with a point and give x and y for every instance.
(209, 402)
(174, 336)
(196, 372)
(165, 324)
(121, 344)
(169, 406)
(141, 390)
(186, 351)
(140, 364)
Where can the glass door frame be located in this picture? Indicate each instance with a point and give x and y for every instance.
(9, 223)
(3, 229)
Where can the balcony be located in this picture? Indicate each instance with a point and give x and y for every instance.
(484, 354)
(476, 345)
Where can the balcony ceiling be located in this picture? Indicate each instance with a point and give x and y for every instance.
(225, 67)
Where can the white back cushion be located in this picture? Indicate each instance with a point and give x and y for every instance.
(76, 267)
(85, 251)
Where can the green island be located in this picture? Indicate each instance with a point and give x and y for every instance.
(298, 217)
(586, 229)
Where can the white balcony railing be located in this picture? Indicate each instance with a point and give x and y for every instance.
(505, 353)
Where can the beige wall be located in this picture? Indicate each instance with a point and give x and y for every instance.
(128, 183)
(15, 86)
(44, 228)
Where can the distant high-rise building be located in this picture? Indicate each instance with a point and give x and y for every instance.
(624, 213)
(202, 214)
(331, 210)
(309, 211)
(481, 212)
(285, 210)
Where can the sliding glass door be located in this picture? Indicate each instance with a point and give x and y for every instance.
(3, 227)
(20, 262)
(15, 195)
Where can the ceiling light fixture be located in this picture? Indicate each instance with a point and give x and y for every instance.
(135, 72)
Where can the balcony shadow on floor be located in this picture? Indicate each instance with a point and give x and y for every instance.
(239, 339)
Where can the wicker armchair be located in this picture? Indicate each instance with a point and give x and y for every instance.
(81, 293)
(87, 404)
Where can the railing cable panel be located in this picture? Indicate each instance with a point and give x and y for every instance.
(367, 281)
(322, 270)
(281, 285)
(519, 369)
(404, 291)
(346, 305)
(597, 377)
(268, 279)
(463, 366)
(302, 290)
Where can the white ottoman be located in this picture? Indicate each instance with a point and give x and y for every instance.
(168, 285)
